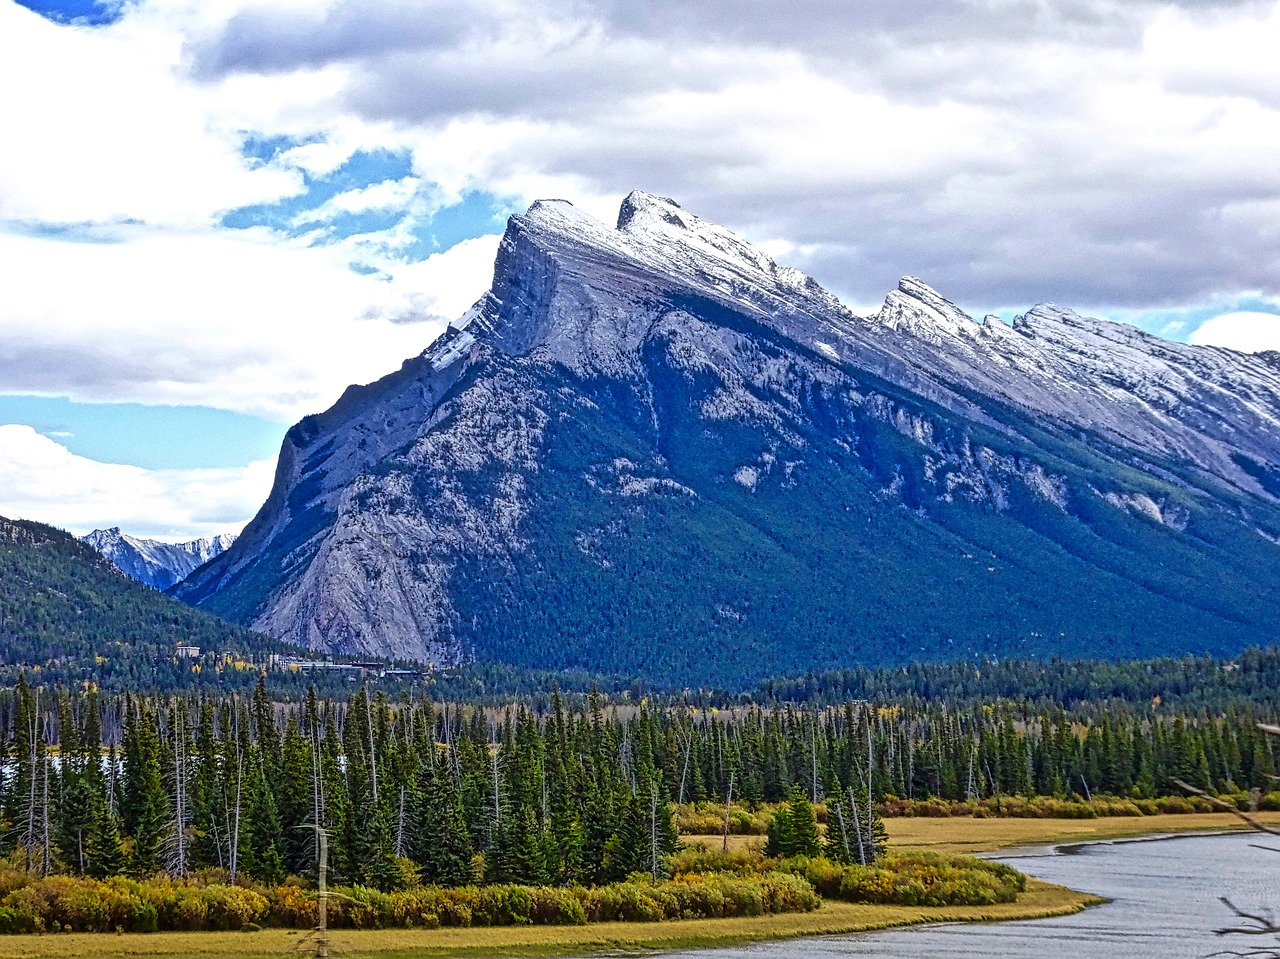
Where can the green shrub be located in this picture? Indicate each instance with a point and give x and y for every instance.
(89, 905)
(914, 879)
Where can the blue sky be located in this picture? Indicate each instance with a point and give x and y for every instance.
(85, 11)
(215, 217)
(158, 436)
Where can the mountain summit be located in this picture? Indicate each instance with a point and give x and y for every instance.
(651, 449)
(152, 562)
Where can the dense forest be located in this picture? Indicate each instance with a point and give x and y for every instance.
(411, 790)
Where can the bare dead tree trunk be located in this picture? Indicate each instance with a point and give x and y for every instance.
(813, 750)
(684, 772)
(373, 752)
(653, 831)
(497, 804)
(728, 804)
(29, 836)
(844, 833)
(857, 827)
(44, 815)
(235, 829)
(181, 816)
(871, 766)
(400, 826)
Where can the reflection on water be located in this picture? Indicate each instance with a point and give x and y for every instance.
(1164, 905)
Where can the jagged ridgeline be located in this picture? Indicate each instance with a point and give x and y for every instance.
(65, 608)
(650, 450)
(151, 562)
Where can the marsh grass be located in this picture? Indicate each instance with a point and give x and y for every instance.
(1040, 900)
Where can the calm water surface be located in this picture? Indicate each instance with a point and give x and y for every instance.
(1165, 904)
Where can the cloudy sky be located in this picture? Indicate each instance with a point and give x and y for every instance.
(213, 217)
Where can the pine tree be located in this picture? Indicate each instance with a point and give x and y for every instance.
(80, 776)
(526, 855)
(296, 800)
(105, 850)
(443, 844)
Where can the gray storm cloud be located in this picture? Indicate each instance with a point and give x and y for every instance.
(1010, 151)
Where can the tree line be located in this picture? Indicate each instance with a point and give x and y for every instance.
(590, 793)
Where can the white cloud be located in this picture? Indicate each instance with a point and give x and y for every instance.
(1092, 153)
(431, 287)
(1087, 152)
(238, 320)
(41, 480)
(1247, 331)
(99, 127)
(387, 195)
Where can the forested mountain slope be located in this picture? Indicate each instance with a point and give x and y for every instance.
(63, 605)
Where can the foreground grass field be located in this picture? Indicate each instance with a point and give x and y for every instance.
(1041, 899)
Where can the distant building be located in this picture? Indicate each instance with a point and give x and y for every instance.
(188, 652)
(354, 671)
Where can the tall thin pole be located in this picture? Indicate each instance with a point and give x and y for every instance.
(871, 759)
(653, 830)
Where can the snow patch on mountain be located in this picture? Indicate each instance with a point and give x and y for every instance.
(153, 563)
(381, 500)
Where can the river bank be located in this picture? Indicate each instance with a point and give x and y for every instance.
(962, 834)
(965, 834)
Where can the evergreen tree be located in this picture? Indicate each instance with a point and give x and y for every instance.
(263, 849)
(144, 801)
(106, 856)
(794, 829)
(443, 844)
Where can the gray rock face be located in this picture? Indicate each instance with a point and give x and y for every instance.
(602, 356)
(151, 562)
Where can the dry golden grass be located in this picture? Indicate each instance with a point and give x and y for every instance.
(965, 834)
(968, 835)
(717, 842)
(1041, 899)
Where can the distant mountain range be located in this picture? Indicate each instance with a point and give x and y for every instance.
(151, 562)
(650, 450)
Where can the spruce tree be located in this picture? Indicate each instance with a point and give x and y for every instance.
(145, 801)
(263, 848)
(794, 830)
(105, 850)
(442, 842)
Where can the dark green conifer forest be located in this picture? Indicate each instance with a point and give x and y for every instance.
(414, 791)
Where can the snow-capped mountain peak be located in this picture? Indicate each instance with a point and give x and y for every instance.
(917, 308)
(651, 431)
(152, 562)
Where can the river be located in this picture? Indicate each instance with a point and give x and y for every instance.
(1164, 905)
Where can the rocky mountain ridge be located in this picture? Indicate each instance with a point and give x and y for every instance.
(627, 401)
(152, 562)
